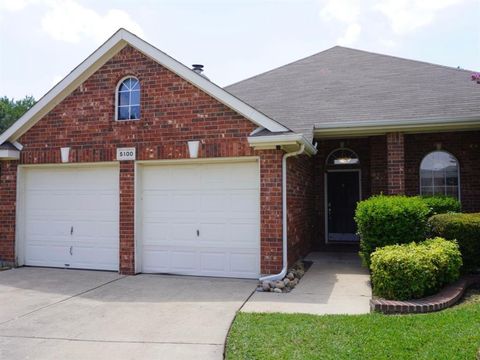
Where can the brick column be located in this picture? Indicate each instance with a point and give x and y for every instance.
(8, 196)
(271, 211)
(127, 215)
(395, 163)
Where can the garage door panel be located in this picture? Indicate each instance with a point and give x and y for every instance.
(71, 217)
(220, 200)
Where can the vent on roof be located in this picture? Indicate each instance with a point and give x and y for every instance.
(198, 68)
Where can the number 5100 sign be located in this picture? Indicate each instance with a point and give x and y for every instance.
(125, 154)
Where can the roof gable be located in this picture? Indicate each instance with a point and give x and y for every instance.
(105, 52)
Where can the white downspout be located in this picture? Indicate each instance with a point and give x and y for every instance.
(282, 273)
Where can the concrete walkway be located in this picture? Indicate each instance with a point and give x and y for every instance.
(75, 314)
(336, 283)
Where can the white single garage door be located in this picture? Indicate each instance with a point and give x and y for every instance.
(71, 217)
(201, 219)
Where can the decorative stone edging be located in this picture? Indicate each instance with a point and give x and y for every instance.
(447, 297)
(294, 274)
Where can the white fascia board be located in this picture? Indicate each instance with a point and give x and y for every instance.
(9, 155)
(366, 128)
(65, 87)
(204, 84)
(272, 141)
(105, 52)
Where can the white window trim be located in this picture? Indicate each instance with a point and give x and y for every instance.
(458, 173)
(117, 88)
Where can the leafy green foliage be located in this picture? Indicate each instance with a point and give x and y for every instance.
(465, 229)
(415, 270)
(441, 204)
(11, 110)
(388, 220)
(448, 334)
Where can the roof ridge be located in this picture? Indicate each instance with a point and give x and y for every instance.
(406, 59)
(281, 66)
(351, 49)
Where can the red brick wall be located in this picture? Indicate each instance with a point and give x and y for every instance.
(395, 164)
(378, 165)
(300, 206)
(8, 195)
(465, 146)
(127, 217)
(271, 211)
(172, 112)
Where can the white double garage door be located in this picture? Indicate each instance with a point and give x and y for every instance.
(195, 219)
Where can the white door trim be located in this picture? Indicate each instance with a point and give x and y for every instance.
(325, 197)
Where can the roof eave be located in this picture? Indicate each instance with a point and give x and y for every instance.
(288, 142)
(381, 127)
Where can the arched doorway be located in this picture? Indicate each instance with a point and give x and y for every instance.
(342, 192)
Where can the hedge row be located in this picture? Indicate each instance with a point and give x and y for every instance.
(412, 271)
(388, 220)
(465, 229)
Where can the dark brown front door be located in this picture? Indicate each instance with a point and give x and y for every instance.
(343, 193)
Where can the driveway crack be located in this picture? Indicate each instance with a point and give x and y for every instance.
(109, 341)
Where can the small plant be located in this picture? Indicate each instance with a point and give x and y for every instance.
(414, 270)
(388, 220)
(465, 229)
(476, 77)
(441, 204)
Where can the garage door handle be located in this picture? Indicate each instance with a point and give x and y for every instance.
(71, 250)
(71, 230)
(198, 232)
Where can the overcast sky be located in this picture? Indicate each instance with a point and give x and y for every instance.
(42, 40)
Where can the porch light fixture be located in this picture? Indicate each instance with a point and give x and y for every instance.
(65, 154)
(193, 148)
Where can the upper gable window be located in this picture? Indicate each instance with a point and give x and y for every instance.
(128, 99)
(439, 174)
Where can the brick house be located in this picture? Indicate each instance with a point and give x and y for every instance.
(136, 163)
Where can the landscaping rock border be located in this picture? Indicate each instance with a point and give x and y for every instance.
(444, 299)
(294, 274)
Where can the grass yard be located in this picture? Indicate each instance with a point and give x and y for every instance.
(451, 334)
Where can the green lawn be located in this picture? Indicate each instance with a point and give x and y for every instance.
(451, 334)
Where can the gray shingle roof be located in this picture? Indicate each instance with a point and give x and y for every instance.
(342, 84)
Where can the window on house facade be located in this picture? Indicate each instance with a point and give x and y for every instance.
(128, 99)
(343, 156)
(439, 174)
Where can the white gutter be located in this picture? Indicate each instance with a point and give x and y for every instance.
(282, 273)
(272, 141)
(364, 128)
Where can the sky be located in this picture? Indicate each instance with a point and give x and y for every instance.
(41, 41)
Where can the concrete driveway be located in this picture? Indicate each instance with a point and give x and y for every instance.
(75, 314)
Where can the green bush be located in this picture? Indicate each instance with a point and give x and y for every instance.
(415, 270)
(465, 228)
(440, 204)
(388, 220)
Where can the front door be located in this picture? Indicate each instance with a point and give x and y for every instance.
(343, 193)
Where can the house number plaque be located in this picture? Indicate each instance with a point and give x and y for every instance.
(126, 154)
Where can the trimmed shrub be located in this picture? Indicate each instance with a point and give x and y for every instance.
(388, 220)
(415, 270)
(465, 229)
(440, 204)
